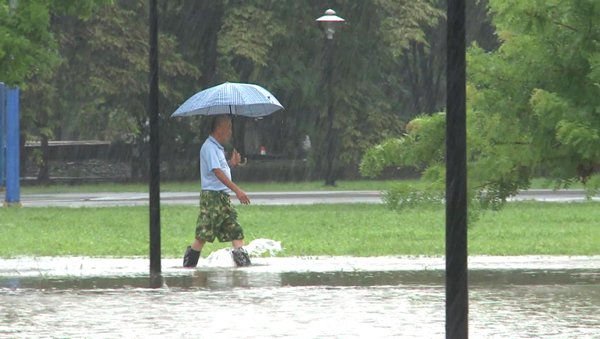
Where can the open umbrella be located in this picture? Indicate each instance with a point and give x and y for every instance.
(231, 98)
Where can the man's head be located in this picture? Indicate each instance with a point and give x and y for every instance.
(221, 128)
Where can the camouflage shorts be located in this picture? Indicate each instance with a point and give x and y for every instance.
(217, 218)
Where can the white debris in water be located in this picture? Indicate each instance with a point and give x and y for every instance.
(220, 258)
(256, 248)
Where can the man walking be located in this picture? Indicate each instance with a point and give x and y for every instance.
(218, 217)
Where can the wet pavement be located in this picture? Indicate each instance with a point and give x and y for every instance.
(192, 198)
(320, 297)
(257, 198)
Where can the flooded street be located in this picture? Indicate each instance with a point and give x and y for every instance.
(296, 298)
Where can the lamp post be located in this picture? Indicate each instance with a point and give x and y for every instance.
(457, 287)
(155, 247)
(330, 19)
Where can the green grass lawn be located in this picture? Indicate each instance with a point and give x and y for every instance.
(525, 228)
(362, 185)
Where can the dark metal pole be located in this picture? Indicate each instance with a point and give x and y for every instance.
(232, 129)
(329, 155)
(155, 263)
(457, 294)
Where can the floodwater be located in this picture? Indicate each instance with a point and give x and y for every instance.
(513, 297)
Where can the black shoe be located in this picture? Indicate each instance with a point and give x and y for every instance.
(241, 257)
(190, 259)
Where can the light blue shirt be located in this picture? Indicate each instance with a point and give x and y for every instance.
(212, 156)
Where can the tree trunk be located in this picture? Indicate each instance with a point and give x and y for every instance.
(135, 157)
(139, 160)
(428, 78)
(22, 155)
(330, 154)
(44, 172)
(213, 17)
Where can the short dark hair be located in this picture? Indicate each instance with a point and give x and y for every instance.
(217, 121)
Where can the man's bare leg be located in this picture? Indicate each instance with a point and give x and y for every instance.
(198, 244)
(237, 243)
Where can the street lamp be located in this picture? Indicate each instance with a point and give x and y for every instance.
(330, 20)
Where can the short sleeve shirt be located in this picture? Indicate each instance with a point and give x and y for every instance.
(212, 156)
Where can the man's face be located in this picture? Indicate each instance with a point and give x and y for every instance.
(225, 130)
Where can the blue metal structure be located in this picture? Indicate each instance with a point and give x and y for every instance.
(2, 136)
(13, 196)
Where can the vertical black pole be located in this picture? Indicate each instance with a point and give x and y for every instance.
(457, 294)
(232, 129)
(155, 264)
(329, 155)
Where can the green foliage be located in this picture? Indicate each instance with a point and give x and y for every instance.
(79, 8)
(248, 32)
(404, 22)
(113, 54)
(546, 70)
(406, 196)
(103, 76)
(93, 55)
(27, 48)
(532, 105)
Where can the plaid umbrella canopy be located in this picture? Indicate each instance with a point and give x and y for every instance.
(240, 99)
(231, 98)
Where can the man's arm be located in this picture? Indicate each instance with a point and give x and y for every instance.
(241, 195)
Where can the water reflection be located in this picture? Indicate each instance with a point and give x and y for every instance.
(222, 279)
(377, 304)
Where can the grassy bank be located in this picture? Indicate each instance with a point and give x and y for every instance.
(362, 185)
(360, 230)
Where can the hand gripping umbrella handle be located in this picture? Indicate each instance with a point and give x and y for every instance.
(242, 163)
(233, 135)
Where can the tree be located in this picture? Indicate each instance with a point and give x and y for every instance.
(361, 81)
(28, 53)
(419, 64)
(532, 105)
(100, 89)
(28, 48)
(387, 66)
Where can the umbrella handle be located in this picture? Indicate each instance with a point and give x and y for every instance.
(242, 163)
